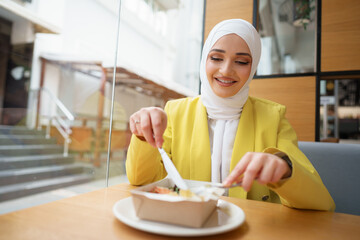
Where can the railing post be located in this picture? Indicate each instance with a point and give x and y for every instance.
(66, 146)
(38, 110)
(48, 128)
(64, 128)
(97, 152)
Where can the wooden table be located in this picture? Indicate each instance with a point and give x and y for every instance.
(89, 216)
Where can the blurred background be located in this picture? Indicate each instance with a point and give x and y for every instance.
(57, 65)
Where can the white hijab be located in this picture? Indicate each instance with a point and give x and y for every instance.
(224, 113)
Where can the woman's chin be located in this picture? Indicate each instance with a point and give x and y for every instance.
(224, 94)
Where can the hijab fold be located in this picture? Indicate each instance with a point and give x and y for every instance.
(224, 113)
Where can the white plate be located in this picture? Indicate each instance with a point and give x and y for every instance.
(227, 217)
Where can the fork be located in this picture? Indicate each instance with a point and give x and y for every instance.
(217, 185)
(220, 185)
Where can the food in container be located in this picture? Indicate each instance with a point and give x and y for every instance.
(190, 208)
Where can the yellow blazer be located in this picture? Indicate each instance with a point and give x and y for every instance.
(262, 128)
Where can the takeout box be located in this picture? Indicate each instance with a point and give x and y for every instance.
(178, 210)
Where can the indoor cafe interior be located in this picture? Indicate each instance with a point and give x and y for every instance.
(73, 73)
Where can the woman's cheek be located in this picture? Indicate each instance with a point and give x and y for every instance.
(210, 68)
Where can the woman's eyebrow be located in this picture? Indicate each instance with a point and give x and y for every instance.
(217, 50)
(241, 53)
(223, 51)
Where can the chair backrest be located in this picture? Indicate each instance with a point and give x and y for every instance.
(339, 169)
(82, 139)
(120, 139)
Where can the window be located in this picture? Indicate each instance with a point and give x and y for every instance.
(288, 30)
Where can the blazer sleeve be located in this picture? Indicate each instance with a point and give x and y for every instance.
(304, 189)
(143, 162)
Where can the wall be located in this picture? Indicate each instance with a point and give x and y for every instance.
(340, 48)
(296, 93)
(340, 51)
(216, 11)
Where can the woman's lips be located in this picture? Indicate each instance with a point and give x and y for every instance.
(226, 82)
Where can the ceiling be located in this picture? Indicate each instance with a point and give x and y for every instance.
(124, 77)
(14, 12)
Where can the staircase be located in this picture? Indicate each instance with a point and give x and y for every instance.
(30, 163)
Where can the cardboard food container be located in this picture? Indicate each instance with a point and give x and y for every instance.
(189, 212)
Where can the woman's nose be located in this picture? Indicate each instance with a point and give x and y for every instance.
(226, 68)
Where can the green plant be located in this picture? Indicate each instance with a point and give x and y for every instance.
(303, 9)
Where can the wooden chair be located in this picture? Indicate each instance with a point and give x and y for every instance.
(82, 139)
(120, 140)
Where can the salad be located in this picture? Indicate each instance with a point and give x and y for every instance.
(200, 193)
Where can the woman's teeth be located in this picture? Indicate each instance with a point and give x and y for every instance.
(224, 81)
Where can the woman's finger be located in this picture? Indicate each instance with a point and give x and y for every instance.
(137, 125)
(132, 123)
(158, 122)
(280, 171)
(236, 173)
(146, 129)
(252, 171)
(149, 124)
(267, 172)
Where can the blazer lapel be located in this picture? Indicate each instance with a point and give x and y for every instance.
(244, 142)
(200, 157)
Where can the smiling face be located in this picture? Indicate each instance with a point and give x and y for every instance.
(228, 65)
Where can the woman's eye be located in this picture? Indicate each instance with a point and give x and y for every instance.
(215, 59)
(242, 62)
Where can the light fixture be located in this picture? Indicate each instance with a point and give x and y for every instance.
(17, 72)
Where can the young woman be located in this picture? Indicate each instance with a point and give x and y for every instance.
(224, 135)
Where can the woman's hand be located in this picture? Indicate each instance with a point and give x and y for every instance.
(149, 124)
(263, 167)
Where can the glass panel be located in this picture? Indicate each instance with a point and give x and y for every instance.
(159, 56)
(52, 93)
(340, 110)
(287, 29)
(56, 74)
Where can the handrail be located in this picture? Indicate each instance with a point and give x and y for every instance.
(65, 135)
(59, 104)
(62, 126)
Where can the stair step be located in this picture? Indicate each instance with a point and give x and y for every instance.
(24, 189)
(7, 163)
(12, 127)
(23, 150)
(20, 130)
(15, 176)
(25, 140)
